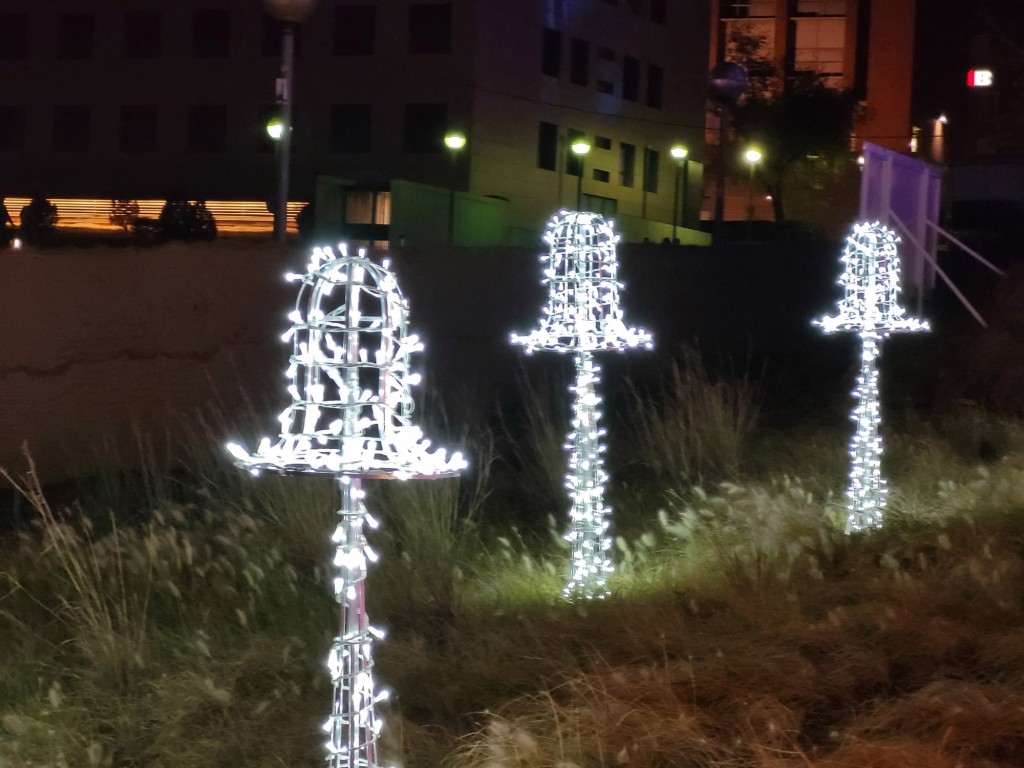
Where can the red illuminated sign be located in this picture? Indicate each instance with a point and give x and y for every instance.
(979, 78)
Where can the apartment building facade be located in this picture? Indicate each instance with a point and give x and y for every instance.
(149, 99)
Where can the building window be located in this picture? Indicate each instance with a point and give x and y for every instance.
(630, 78)
(605, 206)
(605, 54)
(579, 62)
(424, 127)
(430, 28)
(658, 11)
(75, 35)
(602, 142)
(655, 85)
(600, 175)
(627, 164)
(652, 158)
(547, 146)
(551, 53)
(13, 36)
(12, 128)
(207, 128)
(137, 128)
(355, 29)
(273, 35)
(71, 128)
(573, 162)
(603, 86)
(141, 35)
(350, 128)
(211, 33)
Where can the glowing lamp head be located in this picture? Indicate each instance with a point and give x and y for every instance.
(455, 141)
(275, 128)
(679, 152)
(753, 156)
(580, 147)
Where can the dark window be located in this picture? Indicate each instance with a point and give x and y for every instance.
(71, 127)
(651, 160)
(655, 85)
(605, 54)
(207, 128)
(551, 53)
(75, 35)
(600, 175)
(658, 11)
(606, 206)
(424, 127)
(350, 128)
(603, 86)
(430, 28)
(627, 164)
(573, 162)
(13, 36)
(355, 28)
(137, 129)
(602, 142)
(273, 35)
(579, 65)
(211, 33)
(547, 146)
(141, 34)
(630, 78)
(12, 128)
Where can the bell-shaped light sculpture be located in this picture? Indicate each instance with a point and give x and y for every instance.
(870, 308)
(583, 316)
(350, 416)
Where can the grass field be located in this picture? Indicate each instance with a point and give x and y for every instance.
(179, 616)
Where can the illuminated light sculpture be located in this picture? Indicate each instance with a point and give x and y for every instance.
(871, 278)
(583, 316)
(350, 385)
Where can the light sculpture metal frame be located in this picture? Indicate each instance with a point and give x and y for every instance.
(350, 417)
(583, 316)
(870, 308)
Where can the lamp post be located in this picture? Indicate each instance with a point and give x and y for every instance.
(455, 141)
(291, 13)
(580, 148)
(679, 152)
(752, 156)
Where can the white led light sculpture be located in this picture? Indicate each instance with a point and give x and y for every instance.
(350, 385)
(871, 278)
(583, 316)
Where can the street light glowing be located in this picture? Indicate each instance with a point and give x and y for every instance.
(580, 147)
(455, 141)
(679, 152)
(753, 156)
(275, 128)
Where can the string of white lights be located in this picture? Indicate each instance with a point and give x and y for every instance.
(870, 307)
(582, 315)
(350, 416)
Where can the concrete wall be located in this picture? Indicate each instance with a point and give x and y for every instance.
(94, 342)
